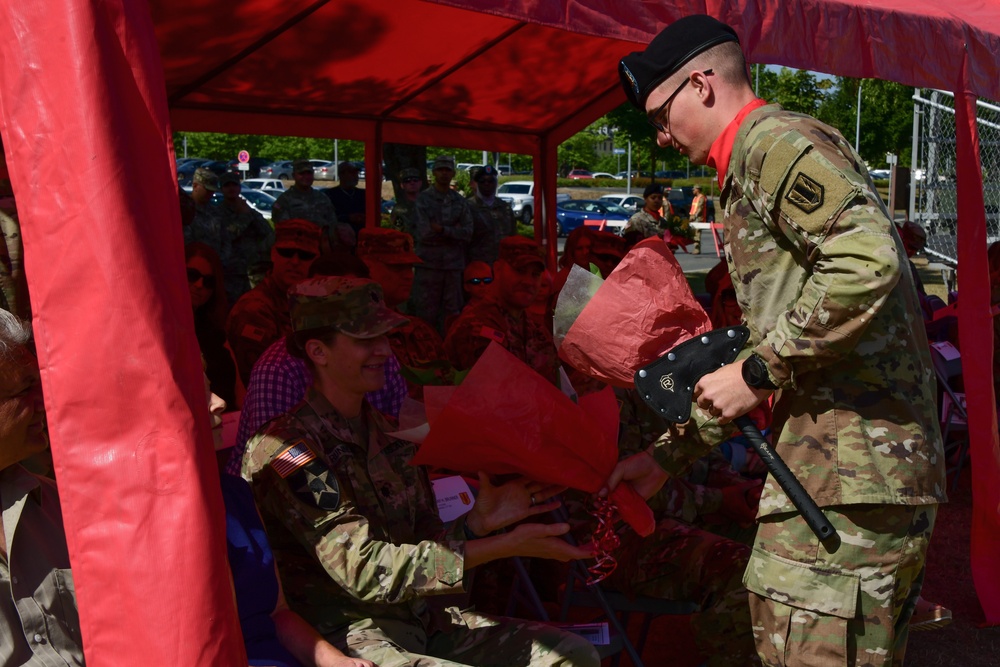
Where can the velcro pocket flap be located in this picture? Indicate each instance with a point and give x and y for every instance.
(801, 585)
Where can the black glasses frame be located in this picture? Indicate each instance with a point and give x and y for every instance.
(653, 118)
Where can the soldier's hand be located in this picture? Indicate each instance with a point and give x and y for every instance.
(500, 506)
(725, 395)
(641, 471)
(542, 540)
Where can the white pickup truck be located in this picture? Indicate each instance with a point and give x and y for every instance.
(521, 197)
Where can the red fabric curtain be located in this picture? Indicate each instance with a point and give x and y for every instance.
(975, 328)
(84, 120)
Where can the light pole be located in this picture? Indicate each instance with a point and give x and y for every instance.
(857, 128)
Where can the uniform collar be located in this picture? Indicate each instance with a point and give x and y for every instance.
(722, 147)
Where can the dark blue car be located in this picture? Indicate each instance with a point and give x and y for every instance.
(592, 213)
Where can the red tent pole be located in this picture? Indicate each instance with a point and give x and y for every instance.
(975, 329)
(84, 118)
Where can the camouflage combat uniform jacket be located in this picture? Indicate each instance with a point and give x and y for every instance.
(645, 222)
(310, 205)
(488, 321)
(444, 249)
(207, 227)
(491, 223)
(251, 238)
(258, 319)
(822, 278)
(357, 536)
(403, 216)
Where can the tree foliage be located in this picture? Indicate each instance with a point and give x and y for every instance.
(886, 117)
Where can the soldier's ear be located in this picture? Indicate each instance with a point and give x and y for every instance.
(316, 351)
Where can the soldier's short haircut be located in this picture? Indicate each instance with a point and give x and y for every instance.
(14, 334)
(295, 342)
(726, 61)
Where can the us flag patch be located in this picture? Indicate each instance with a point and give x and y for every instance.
(492, 334)
(291, 459)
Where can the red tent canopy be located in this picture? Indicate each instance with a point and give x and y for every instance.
(89, 90)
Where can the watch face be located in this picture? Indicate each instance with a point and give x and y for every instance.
(754, 372)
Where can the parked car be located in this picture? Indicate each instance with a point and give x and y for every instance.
(592, 213)
(324, 170)
(264, 184)
(258, 201)
(880, 174)
(681, 197)
(675, 173)
(628, 202)
(602, 174)
(579, 174)
(188, 168)
(255, 163)
(273, 192)
(521, 197)
(280, 169)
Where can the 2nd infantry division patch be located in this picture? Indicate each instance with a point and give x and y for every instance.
(805, 193)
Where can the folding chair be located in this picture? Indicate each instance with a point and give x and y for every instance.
(954, 417)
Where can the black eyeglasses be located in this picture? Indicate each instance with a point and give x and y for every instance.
(477, 281)
(194, 275)
(654, 118)
(288, 253)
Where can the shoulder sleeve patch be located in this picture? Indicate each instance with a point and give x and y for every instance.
(253, 333)
(307, 476)
(805, 193)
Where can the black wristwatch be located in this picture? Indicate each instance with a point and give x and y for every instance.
(755, 373)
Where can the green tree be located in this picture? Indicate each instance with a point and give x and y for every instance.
(794, 89)
(886, 117)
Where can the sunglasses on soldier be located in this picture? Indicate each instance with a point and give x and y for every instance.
(477, 281)
(289, 253)
(194, 275)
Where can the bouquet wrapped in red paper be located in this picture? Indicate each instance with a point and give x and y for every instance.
(643, 309)
(506, 418)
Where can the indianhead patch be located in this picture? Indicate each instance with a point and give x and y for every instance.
(805, 193)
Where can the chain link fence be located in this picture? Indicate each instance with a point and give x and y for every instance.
(934, 194)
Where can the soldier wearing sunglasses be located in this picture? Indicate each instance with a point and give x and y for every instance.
(260, 317)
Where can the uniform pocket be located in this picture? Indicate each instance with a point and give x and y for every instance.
(800, 612)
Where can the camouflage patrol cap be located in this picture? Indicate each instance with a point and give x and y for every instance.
(642, 71)
(521, 252)
(409, 172)
(298, 166)
(206, 179)
(446, 161)
(297, 233)
(389, 246)
(353, 306)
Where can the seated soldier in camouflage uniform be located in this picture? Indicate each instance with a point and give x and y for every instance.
(501, 317)
(354, 527)
(260, 317)
(390, 259)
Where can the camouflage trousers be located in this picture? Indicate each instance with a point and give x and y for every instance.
(850, 607)
(470, 639)
(436, 294)
(682, 562)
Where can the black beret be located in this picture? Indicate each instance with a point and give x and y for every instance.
(488, 170)
(652, 188)
(676, 44)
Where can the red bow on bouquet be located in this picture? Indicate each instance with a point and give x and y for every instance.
(506, 418)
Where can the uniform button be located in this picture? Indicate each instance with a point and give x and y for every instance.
(38, 638)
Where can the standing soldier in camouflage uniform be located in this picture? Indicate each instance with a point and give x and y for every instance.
(250, 237)
(442, 230)
(648, 221)
(820, 275)
(492, 218)
(501, 316)
(355, 529)
(303, 201)
(260, 317)
(206, 226)
(403, 217)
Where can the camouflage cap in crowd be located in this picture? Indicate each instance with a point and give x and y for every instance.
(389, 246)
(409, 172)
(444, 161)
(353, 306)
(206, 178)
(299, 166)
(521, 252)
(229, 177)
(297, 233)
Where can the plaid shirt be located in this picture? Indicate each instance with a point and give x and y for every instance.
(279, 381)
